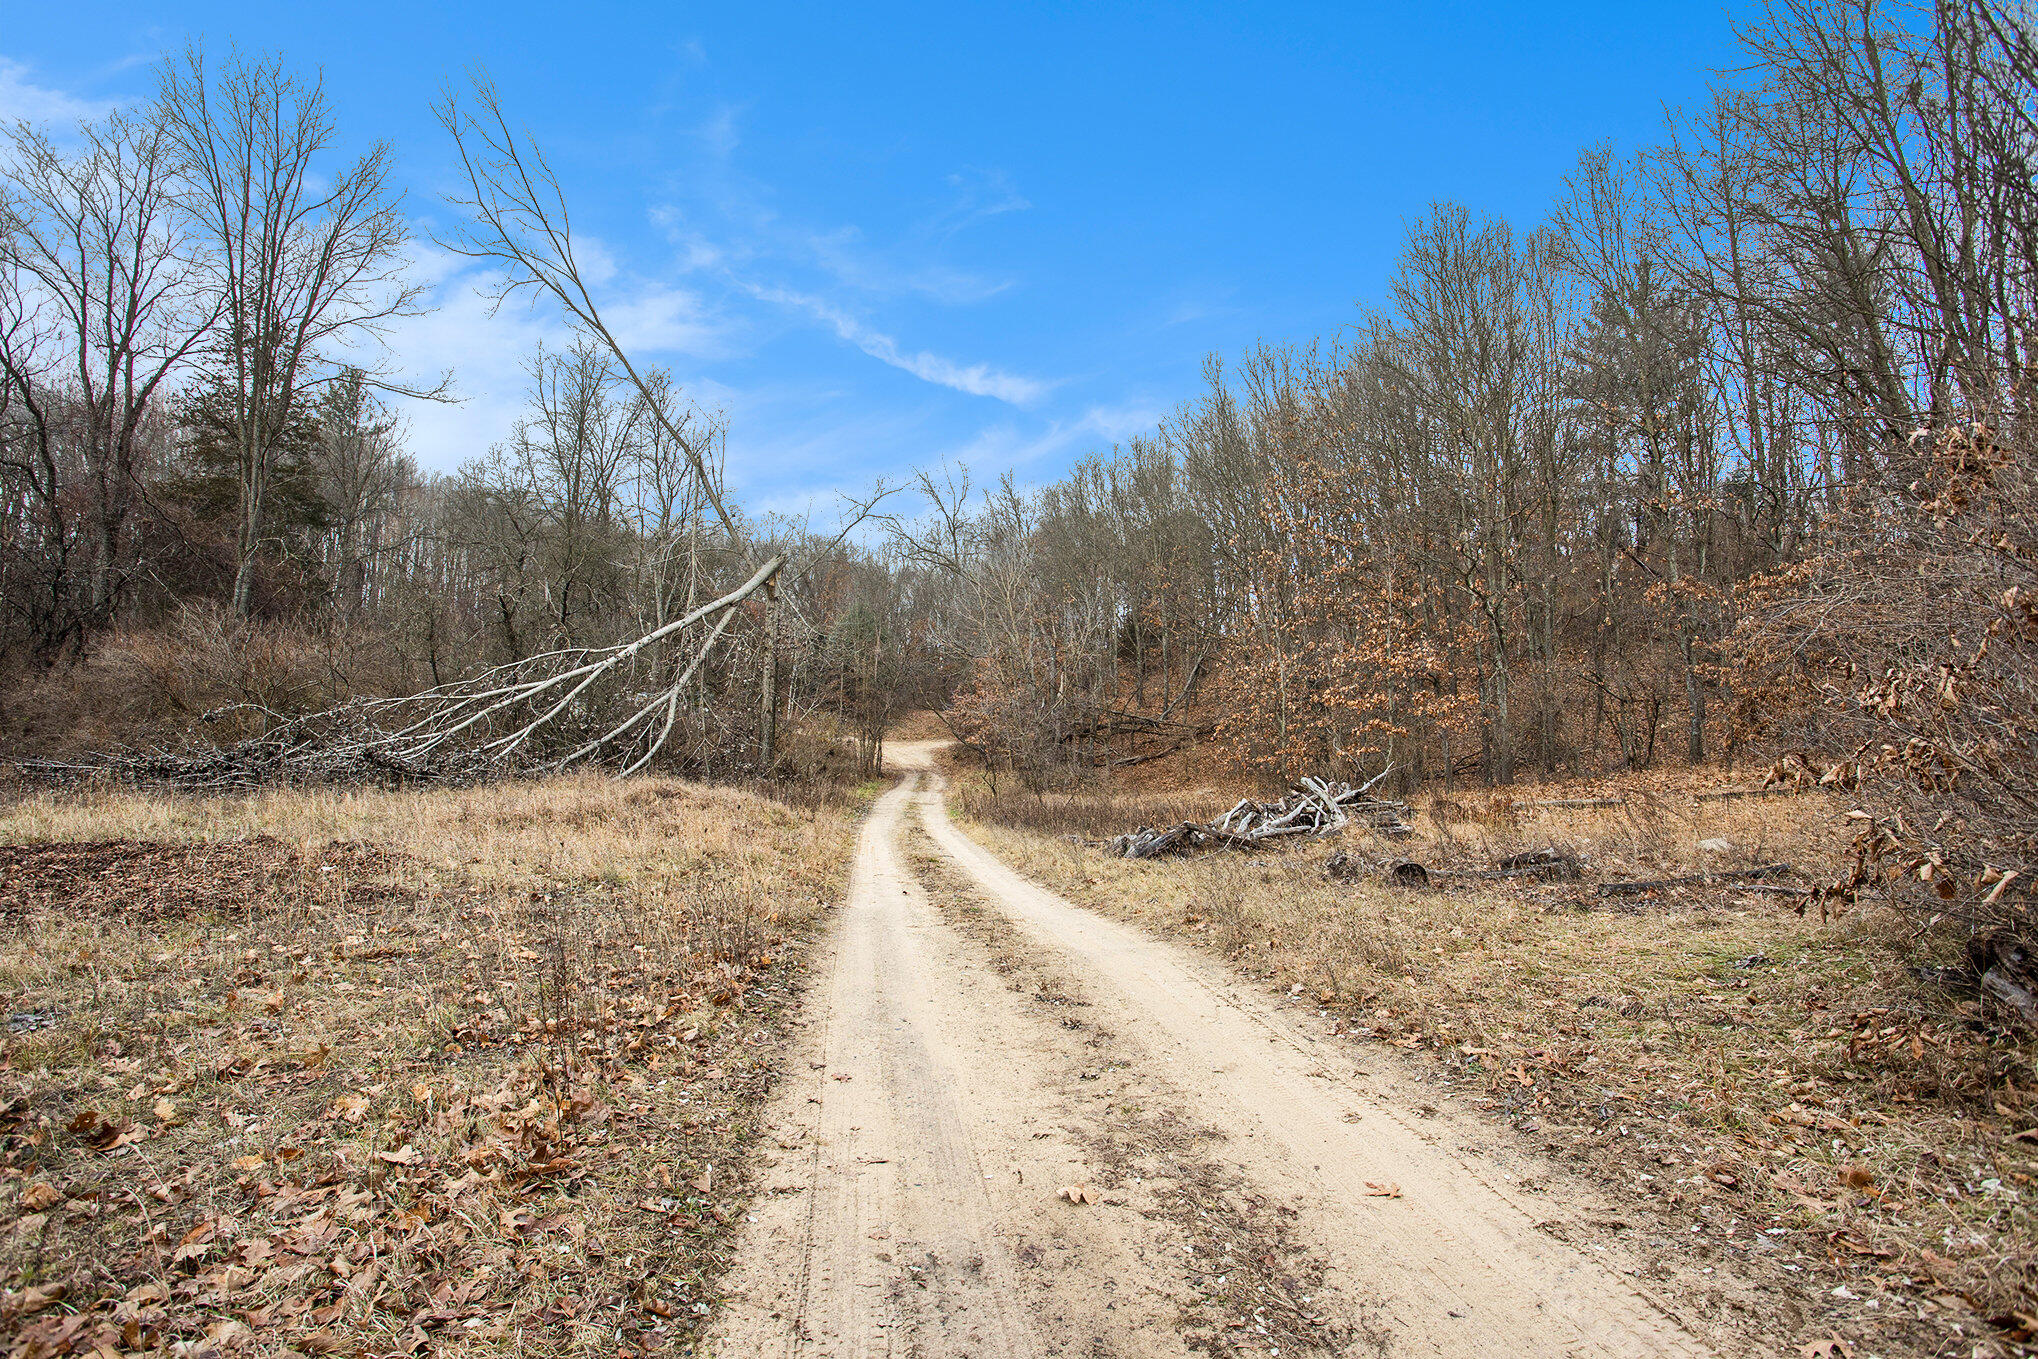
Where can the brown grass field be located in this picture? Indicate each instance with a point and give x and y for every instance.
(379, 1072)
(1790, 1094)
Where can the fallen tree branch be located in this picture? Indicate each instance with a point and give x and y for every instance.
(1724, 794)
(1312, 807)
(452, 733)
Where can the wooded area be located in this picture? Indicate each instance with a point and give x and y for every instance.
(1510, 520)
(1733, 452)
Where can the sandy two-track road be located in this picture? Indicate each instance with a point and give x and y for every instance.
(977, 1044)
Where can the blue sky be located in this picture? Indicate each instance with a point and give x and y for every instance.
(889, 236)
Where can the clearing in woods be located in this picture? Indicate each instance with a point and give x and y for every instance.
(1015, 1127)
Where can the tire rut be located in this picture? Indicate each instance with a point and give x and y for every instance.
(936, 1104)
(1456, 1265)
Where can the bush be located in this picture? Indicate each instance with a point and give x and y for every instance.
(149, 686)
(1910, 662)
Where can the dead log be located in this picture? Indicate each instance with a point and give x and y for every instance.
(1624, 889)
(1578, 802)
(1160, 842)
(1544, 865)
(1124, 761)
(1312, 807)
(1219, 836)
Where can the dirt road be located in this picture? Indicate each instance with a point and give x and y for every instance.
(979, 1045)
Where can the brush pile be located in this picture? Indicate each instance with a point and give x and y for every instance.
(1312, 807)
(547, 711)
(339, 746)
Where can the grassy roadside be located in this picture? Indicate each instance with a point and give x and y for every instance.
(1775, 1088)
(380, 1072)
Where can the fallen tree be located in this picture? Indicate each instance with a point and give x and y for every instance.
(537, 714)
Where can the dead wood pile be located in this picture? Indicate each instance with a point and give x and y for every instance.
(545, 712)
(1312, 807)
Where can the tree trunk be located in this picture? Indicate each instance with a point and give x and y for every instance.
(767, 699)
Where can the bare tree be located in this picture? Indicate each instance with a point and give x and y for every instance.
(304, 261)
(96, 247)
(518, 221)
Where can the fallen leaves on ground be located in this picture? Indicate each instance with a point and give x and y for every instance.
(387, 1108)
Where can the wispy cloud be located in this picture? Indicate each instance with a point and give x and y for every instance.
(719, 133)
(979, 196)
(23, 100)
(716, 211)
(486, 353)
(978, 379)
(1007, 446)
(843, 256)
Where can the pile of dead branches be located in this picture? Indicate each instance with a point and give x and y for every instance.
(1312, 807)
(534, 715)
(339, 746)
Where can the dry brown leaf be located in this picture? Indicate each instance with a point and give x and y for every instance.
(1078, 1193)
(40, 1195)
(33, 1300)
(705, 1181)
(1382, 1189)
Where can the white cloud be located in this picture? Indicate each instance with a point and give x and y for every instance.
(658, 319)
(719, 133)
(486, 353)
(840, 253)
(22, 100)
(980, 195)
(1007, 446)
(977, 379)
(597, 261)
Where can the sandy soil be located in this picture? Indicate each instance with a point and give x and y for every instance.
(979, 1045)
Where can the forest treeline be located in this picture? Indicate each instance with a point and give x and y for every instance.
(1637, 485)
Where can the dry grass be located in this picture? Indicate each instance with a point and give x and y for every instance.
(1092, 814)
(376, 1072)
(1783, 1091)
